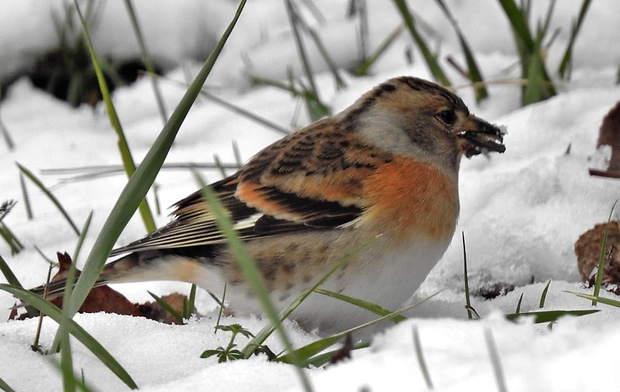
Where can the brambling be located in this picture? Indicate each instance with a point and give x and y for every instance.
(384, 170)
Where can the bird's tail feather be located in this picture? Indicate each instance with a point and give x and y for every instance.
(135, 267)
(118, 271)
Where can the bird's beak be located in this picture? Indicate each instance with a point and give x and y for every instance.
(481, 137)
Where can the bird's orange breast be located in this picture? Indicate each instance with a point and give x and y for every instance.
(406, 197)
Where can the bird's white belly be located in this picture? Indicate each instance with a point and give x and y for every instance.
(386, 278)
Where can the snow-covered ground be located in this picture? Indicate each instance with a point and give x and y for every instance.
(521, 211)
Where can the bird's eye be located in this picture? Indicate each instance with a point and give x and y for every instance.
(447, 117)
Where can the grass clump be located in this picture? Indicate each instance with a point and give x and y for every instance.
(67, 71)
(431, 59)
(531, 49)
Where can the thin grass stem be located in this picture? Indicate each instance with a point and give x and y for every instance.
(431, 60)
(601, 262)
(167, 307)
(474, 73)
(4, 131)
(543, 295)
(518, 309)
(367, 63)
(126, 157)
(470, 310)
(25, 196)
(5, 387)
(66, 356)
(83, 233)
(420, 356)
(49, 195)
(221, 311)
(146, 59)
(495, 361)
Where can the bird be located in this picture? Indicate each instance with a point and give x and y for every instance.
(376, 183)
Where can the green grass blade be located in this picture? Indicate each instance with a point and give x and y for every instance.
(221, 305)
(79, 381)
(333, 68)
(312, 349)
(50, 261)
(12, 241)
(139, 184)
(420, 356)
(360, 8)
(543, 296)
(5, 387)
(94, 172)
(309, 97)
(188, 309)
(5, 132)
(316, 347)
(470, 314)
(539, 86)
(372, 307)
(548, 316)
(49, 195)
(368, 62)
(22, 185)
(83, 233)
(295, 21)
(8, 273)
(431, 60)
(75, 329)
(495, 361)
(146, 59)
(601, 261)
(237, 154)
(66, 356)
(518, 309)
(168, 308)
(596, 299)
(518, 21)
(250, 272)
(128, 162)
(547, 23)
(322, 359)
(13, 281)
(474, 73)
(246, 113)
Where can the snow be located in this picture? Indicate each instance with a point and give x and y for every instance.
(521, 212)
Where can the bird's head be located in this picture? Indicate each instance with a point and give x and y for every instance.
(415, 117)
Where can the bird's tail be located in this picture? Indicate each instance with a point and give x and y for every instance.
(121, 270)
(141, 266)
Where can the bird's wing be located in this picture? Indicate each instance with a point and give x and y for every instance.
(294, 185)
